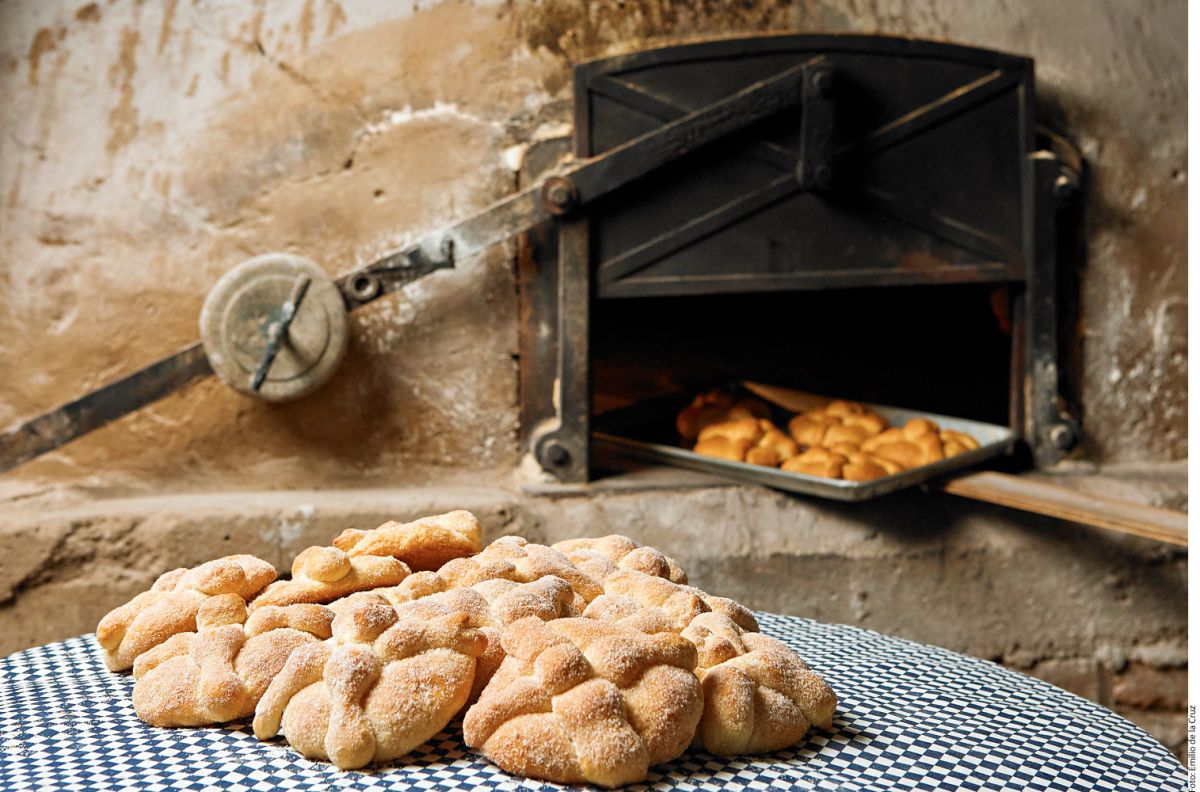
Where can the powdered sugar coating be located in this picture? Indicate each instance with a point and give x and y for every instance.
(579, 700)
(323, 574)
(383, 684)
(218, 673)
(759, 695)
(424, 545)
(602, 556)
(171, 605)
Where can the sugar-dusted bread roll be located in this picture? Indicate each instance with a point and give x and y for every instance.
(652, 604)
(381, 686)
(515, 558)
(490, 606)
(715, 406)
(323, 574)
(218, 673)
(646, 603)
(759, 695)
(581, 701)
(425, 544)
(171, 604)
(601, 557)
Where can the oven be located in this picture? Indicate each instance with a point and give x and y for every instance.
(905, 235)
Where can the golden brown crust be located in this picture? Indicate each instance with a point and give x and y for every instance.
(954, 443)
(324, 574)
(424, 545)
(218, 673)
(816, 462)
(741, 429)
(837, 422)
(171, 605)
(724, 448)
(759, 695)
(753, 440)
(715, 406)
(918, 442)
(584, 701)
(862, 467)
(386, 682)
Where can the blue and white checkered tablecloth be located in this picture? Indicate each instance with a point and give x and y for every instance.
(910, 716)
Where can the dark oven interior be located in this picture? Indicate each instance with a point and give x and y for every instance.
(945, 349)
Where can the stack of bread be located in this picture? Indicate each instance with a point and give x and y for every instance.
(588, 661)
(841, 440)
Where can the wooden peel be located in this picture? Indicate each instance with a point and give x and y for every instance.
(797, 401)
(1027, 494)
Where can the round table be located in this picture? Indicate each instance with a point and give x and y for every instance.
(910, 716)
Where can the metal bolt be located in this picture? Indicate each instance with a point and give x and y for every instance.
(1065, 185)
(556, 454)
(1063, 437)
(559, 195)
(823, 82)
(365, 287)
(823, 176)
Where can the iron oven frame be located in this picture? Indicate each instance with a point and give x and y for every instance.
(864, 97)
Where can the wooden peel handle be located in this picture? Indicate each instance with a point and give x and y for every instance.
(1026, 494)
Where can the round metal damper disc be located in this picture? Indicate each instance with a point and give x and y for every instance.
(246, 309)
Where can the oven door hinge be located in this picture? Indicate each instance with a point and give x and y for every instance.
(1053, 425)
(814, 170)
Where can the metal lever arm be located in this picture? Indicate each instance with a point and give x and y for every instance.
(557, 196)
(588, 180)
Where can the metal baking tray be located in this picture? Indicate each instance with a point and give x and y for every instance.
(646, 432)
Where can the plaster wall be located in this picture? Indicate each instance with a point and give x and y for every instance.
(146, 147)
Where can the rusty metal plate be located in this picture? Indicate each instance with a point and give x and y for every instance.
(237, 319)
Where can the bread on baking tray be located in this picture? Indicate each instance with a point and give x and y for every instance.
(587, 662)
(839, 440)
(753, 440)
(715, 406)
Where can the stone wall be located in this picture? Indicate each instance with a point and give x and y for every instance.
(146, 147)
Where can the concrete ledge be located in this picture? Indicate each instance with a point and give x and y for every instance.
(970, 577)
